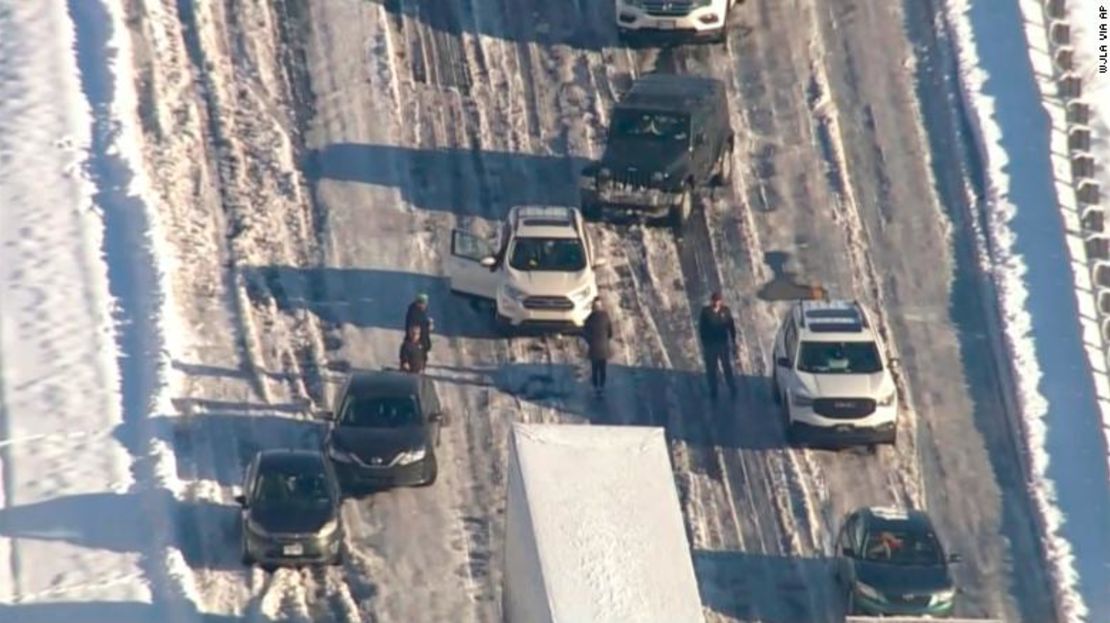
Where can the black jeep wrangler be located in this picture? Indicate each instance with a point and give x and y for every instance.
(668, 137)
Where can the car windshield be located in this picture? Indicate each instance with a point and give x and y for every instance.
(839, 358)
(381, 412)
(650, 126)
(548, 254)
(280, 487)
(902, 547)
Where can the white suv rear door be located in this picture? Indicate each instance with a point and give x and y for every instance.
(465, 272)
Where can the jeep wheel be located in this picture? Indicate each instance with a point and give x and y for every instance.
(680, 213)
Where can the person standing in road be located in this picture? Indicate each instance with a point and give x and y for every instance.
(718, 341)
(598, 331)
(417, 315)
(414, 355)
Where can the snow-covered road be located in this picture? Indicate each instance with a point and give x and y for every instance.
(306, 162)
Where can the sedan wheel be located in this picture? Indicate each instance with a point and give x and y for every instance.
(431, 471)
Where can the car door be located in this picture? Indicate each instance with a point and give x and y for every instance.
(429, 403)
(464, 269)
(847, 549)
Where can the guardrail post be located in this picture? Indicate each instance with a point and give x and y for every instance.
(1079, 139)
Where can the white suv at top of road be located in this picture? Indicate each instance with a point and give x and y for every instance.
(831, 376)
(700, 18)
(540, 272)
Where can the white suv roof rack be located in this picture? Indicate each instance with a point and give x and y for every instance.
(837, 316)
(544, 216)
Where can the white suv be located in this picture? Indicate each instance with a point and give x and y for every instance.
(540, 272)
(701, 18)
(832, 378)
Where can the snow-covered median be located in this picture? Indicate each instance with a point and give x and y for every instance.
(1036, 255)
(87, 509)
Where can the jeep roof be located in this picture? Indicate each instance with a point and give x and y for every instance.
(671, 92)
(833, 321)
(544, 222)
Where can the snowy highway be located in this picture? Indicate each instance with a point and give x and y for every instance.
(310, 158)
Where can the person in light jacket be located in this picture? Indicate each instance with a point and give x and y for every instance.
(598, 331)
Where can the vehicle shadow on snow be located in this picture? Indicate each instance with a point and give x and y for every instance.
(120, 522)
(770, 588)
(450, 180)
(100, 612)
(232, 438)
(545, 23)
(676, 400)
(370, 298)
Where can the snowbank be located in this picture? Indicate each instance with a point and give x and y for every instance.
(88, 513)
(595, 531)
(1036, 255)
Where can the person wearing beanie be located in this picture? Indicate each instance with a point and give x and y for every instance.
(417, 315)
(717, 331)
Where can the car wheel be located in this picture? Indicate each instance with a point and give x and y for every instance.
(849, 602)
(680, 214)
(724, 166)
(245, 556)
(776, 393)
(431, 471)
(340, 556)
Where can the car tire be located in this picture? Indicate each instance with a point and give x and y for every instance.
(340, 556)
(245, 556)
(849, 602)
(776, 391)
(431, 471)
(725, 166)
(679, 215)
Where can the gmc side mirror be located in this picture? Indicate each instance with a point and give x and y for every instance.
(488, 261)
(783, 362)
(895, 362)
(241, 500)
(326, 415)
(601, 262)
(846, 552)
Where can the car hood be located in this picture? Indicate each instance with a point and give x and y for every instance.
(379, 443)
(549, 283)
(874, 386)
(642, 157)
(903, 580)
(292, 519)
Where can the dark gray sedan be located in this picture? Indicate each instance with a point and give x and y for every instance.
(386, 431)
(291, 505)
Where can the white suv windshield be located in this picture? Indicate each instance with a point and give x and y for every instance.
(839, 358)
(548, 254)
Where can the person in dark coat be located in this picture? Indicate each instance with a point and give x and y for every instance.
(718, 341)
(598, 331)
(414, 356)
(417, 315)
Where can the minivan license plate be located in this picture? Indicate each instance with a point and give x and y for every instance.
(667, 24)
(295, 549)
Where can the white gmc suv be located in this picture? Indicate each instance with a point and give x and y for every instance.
(540, 273)
(700, 18)
(832, 378)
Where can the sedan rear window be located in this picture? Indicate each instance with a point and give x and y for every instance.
(285, 488)
(839, 358)
(381, 412)
(902, 547)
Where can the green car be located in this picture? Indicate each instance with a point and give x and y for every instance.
(890, 562)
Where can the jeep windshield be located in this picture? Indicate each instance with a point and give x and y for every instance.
(839, 358)
(548, 254)
(646, 125)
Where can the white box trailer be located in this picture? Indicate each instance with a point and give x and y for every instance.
(594, 531)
